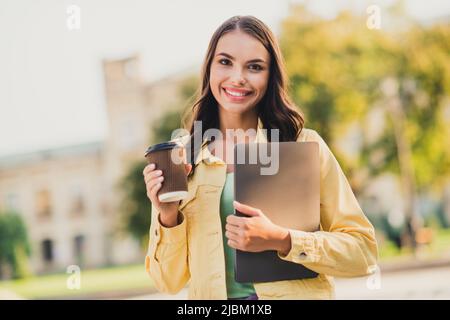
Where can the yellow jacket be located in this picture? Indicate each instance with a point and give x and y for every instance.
(345, 246)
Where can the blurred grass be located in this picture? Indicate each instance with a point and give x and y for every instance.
(438, 248)
(441, 244)
(134, 277)
(93, 281)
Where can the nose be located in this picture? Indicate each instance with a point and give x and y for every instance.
(238, 77)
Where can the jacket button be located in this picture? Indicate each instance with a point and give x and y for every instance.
(303, 255)
(156, 232)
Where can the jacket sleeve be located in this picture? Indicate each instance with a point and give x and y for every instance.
(346, 245)
(167, 257)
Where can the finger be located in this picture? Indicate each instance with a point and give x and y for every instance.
(231, 236)
(233, 244)
(152, 191)
(232, 228)
(245, 209)
(155, 189)
(148, 168)
(233, 220)
(156, 175)
(151, 184)
(154, 182)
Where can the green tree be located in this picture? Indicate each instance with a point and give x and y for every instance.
(338, 72)
(134, 207)
(416, 143)
(334, 67)
(14, 245)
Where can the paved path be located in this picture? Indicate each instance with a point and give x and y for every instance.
(431, 283)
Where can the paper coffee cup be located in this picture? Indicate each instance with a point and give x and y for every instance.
(169, 158)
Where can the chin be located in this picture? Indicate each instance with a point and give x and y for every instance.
(235, 108)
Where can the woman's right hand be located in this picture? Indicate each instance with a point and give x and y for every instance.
(168, 211)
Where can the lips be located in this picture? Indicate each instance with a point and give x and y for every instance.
(236, 91)
(236, 95)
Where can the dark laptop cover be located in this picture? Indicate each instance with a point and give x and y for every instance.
(290, 198)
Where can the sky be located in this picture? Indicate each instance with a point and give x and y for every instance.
(51, 81)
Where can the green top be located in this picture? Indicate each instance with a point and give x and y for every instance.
(234, 289)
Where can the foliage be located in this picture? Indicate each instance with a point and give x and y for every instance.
(14, 245)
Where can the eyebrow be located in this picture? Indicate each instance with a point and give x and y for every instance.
(232, 58)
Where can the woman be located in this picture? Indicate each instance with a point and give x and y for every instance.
(244, 87)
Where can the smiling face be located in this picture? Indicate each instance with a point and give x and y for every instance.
(239, 72)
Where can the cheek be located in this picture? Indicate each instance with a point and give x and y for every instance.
(259, 82)
(216, 77)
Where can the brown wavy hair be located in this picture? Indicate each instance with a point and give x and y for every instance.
(275, 109)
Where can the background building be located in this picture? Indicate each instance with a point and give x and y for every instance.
(68, 196)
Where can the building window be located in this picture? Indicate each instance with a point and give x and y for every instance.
(43, 204)
(77, 207)
(12, 202)
(47, 251)
(79, 248)
(130, 69)
(128, 134)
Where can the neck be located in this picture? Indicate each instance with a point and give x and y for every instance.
(245, 121)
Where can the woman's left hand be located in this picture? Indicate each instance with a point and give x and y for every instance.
(256, 232)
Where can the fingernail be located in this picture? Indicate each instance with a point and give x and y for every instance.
(161, 178)
(152, 165)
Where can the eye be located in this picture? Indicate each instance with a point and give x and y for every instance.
(255, 67)
(224, 62)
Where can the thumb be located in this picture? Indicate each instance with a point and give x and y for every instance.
(250, 211)
(188, 168)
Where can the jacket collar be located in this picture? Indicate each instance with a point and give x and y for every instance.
(206, 156)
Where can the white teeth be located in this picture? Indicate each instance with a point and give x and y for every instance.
(236, 94)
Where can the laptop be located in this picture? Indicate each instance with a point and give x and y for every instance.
(288, 195)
